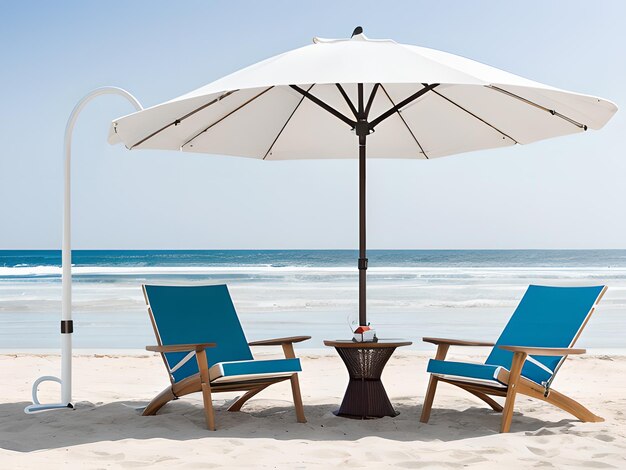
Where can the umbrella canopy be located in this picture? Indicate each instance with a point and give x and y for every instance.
(473, 106)
(333, 98)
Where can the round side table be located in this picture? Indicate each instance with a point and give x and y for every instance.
(365, 396)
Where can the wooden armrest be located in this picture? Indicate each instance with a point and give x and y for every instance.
(279, 341)
(534, 351)
(180, 347)
(457, 342)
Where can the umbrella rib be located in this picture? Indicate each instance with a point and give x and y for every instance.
(371, 99)
(178, 121)
(286, 122)
(227, 115)
(475, 116)
(405, 123)
(401, 104)
(536, 105)
(324, 106)
(345, 97)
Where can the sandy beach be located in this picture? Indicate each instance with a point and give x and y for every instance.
(106, 431)
(214, 174)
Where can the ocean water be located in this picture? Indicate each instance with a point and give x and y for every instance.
(411, 293)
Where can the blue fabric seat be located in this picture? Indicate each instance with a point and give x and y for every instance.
(256, 368)
(479, 373)
(206, 314)
(197, 314)
(548, 317)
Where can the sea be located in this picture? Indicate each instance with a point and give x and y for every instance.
(411, 293)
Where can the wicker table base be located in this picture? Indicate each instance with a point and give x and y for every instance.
(365, 396)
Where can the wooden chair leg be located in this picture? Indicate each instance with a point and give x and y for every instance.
(157, 402)
(560, 401)
(440, 355)
(297, 399)
(295, 385)
(236, 406)
(514, 376)
(203, 367)
(209, 414)
(573, 407)
(428, 400)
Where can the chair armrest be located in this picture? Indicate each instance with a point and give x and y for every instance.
(180, 347)
(456, 342)
(279, 341)
(534, 351)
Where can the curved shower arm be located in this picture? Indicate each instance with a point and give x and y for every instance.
(67, 326)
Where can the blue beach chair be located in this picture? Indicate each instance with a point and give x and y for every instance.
(205, 350)
(539, 336)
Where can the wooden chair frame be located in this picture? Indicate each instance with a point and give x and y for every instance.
(201, 381)
(515, 383)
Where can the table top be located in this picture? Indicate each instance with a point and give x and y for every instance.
(381, 343)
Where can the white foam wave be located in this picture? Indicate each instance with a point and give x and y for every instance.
(425, 272)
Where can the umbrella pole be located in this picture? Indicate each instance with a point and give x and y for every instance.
(67, 325)
(362, 235)
(362, 129)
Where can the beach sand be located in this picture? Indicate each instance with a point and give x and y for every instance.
(106, 431)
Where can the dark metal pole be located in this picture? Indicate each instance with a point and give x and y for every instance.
(362, 235)
(362, 129)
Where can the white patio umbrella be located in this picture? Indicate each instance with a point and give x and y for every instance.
(334, 99)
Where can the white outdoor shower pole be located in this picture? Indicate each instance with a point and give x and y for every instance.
(67, 327)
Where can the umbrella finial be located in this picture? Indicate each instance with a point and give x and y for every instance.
(357, 30)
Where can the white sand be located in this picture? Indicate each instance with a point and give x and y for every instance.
(106, 432)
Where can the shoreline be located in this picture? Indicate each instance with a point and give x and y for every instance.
(54, 271)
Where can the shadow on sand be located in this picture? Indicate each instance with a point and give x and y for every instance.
(184, 420)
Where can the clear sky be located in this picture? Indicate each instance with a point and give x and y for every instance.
(568, 192)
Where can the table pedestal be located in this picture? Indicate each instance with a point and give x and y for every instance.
(365, 396)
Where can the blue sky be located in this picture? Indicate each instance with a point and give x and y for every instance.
(562, 193)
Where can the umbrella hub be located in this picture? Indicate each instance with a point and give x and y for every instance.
(362, 127)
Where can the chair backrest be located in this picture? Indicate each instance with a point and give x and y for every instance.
(196, 314)
(551, 317)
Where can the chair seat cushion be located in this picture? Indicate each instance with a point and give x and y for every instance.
(251, 369)
(466, 372)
